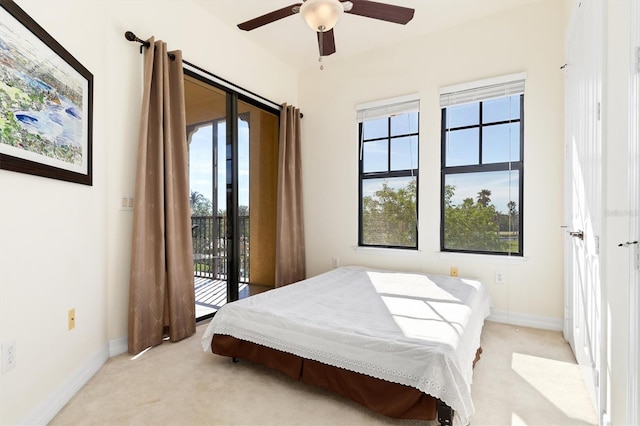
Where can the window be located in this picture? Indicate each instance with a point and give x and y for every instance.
(482, 167)
(388, 164)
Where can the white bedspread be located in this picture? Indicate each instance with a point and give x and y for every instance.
(414, 329)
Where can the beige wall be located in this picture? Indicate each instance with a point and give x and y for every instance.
(65, 245)
(505, 43)
(53, 247)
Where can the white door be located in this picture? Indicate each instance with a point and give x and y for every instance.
(583, 97)
(633, 415)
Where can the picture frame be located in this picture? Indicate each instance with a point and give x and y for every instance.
(46, 103)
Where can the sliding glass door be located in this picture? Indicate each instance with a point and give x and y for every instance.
(233, 160)
(206, 112)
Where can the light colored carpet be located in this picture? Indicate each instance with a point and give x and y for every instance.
(525, 377)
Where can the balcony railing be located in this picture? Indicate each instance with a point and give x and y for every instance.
(210, 247)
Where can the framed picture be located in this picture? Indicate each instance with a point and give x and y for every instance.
(46, 99)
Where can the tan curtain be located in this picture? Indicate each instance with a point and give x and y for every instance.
(161, 293)
(290, 253)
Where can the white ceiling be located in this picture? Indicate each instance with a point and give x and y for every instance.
(293, 42)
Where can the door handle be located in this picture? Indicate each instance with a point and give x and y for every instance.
(577, 234)
(627, 244)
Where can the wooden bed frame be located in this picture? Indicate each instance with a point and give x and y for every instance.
(384, 397)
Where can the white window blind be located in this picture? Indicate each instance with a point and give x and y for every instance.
(482, 90)
(387, 107)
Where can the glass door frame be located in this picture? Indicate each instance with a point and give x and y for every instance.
(233, 221)
(234, 95)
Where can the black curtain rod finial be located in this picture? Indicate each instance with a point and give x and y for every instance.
(132, 37)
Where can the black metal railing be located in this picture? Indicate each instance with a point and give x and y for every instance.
(210, 247)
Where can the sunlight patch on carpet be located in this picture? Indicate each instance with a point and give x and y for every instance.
(558, 382)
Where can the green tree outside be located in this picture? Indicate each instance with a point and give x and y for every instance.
(200, 205)
(389, 217)
(477, 226)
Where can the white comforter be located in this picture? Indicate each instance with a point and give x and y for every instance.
(414, 329)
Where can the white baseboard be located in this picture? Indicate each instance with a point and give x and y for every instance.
(52, 404)
(526, 320)
(118, 346)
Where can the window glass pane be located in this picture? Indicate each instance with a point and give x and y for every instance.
(501, 143)
(201, 171)
(482, 211)
(404, 124)
(221, 195)
(463, 115)
(389, 212)
(375, 156)
(374, 129)
(404, 153)
(501, 109)
(462, 147)
(243, 165)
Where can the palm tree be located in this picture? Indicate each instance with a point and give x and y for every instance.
(513, 214)
(483, 197)
(195, 199)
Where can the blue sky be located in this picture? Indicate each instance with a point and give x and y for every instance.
(503, 186)
(201, 163)
(501, 143)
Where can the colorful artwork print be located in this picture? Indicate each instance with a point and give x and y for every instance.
(45, 102)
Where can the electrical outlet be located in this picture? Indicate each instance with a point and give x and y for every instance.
(71, 316)
(335, 262)
(499, 277)
(454, 271)
(8, 356)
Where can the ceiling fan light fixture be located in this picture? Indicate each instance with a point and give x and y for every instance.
(321, 15)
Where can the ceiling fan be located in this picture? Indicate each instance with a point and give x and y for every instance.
(322, 15)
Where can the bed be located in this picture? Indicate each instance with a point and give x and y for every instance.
(402, 344)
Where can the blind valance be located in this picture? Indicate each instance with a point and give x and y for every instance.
(482, 90)
(387, 107)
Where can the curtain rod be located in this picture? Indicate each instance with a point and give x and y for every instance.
(132, 37)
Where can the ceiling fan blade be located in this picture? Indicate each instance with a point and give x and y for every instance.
(328, 45)
(382, 11)
(269, 17)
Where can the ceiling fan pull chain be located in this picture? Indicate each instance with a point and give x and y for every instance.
(321, 47)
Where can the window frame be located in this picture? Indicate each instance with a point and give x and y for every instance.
(390, 174)
(482, 168)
